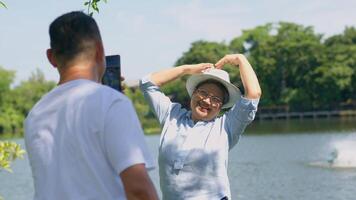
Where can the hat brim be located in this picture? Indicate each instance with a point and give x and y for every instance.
(234, 92)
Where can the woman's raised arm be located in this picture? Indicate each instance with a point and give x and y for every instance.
(248, 76)
(162, 77)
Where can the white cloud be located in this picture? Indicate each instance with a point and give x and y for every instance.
(327, 17)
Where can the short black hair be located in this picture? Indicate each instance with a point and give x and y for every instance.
(220, 86)
(72, 34)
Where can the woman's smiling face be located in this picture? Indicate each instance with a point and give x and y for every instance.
(206, 102)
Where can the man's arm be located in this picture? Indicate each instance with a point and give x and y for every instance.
(137, 183)
(126, 149)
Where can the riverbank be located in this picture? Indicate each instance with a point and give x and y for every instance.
(276, 126)
(8, 136)
(302, 125)
(308, 114)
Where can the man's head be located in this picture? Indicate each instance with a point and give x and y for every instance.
(75, 37)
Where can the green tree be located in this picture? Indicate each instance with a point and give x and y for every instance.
(256, 45)
(6, 111)
(147, 118)
(339, 68)
(11, 121)
(25, 95)
(6, 78)
(284, 56)
(16, 103)
(203, 51)
(298, 51)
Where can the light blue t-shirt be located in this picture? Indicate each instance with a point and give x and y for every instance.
(193, 157)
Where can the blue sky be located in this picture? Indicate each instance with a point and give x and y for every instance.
(152, 35)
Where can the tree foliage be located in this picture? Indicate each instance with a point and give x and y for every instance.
(296, 67)
(285, 62)
(9, 151)
(2, 4)
(143, 111)
(92, 5)
(16, 102)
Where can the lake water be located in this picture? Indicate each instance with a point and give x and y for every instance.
(290, 161)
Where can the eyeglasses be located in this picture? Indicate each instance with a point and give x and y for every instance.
(215, 101)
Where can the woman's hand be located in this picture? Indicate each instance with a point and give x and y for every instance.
(197, 68)
(233, 59)
(162, 77)
(247, 74)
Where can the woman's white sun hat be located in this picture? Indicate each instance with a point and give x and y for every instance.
(218, 75)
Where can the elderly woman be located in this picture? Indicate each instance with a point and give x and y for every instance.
(194, 145)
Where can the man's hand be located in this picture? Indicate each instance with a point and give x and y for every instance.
(123, 87)
(137, 183)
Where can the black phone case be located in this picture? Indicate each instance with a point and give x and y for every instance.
(112, 74)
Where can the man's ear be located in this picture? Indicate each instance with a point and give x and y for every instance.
(99, 54)
(51, 58)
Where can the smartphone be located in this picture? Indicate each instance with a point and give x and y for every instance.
(112, 75)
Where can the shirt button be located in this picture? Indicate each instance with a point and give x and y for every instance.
(178, 164)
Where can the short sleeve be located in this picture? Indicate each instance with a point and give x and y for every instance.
(157, 100)
(123, 137)
(238, 117)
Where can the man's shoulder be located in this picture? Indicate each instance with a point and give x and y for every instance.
(94, 89)
(79, 92)
(112, 94)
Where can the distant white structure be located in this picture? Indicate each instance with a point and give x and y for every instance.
(131, 83)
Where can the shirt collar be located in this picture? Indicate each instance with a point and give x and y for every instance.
(189, 116)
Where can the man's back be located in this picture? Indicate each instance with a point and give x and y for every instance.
(78, 138)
